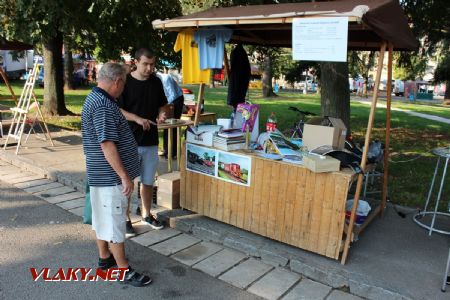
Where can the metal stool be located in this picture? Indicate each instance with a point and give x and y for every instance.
(444, 283)
(441, 153)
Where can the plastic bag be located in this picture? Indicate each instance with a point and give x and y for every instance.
(375, 153)
(87, 212)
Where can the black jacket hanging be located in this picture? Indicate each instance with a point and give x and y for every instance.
(239, 76)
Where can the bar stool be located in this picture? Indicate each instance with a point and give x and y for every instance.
(446, 278)
(443, 152)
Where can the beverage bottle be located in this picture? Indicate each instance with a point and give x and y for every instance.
(271, 124)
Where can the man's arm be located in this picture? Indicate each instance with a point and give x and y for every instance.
(112, 156)
(145, 123)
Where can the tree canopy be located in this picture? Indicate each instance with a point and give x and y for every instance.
(104, 27)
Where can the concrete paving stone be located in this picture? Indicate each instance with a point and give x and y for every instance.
(141, 228)
(54, 192)
(340, 295)
(40, 188)
(72, 203)
(8, 170)
(32, 183)
(245, 273)
(308, 290)
(64, 197)
(370, 291)
(175, 244)
(330, 276)
(196, 253)
(12, 175)
(274, 284)
(220, 262)
(4, 163)
(135, 218)
(25, 179)
(77, 211)
(155, 236)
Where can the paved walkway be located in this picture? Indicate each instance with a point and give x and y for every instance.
(226, 265)
(409, 112)
(391, 261)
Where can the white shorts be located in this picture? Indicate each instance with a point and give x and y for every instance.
(109, 213)
(148, 158)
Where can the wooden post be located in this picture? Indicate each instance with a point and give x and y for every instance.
(226, 63)
(198, 108)
(365, 151)
(388, 132)
(5, 79)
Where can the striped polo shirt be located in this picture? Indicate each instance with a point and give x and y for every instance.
(102, 120)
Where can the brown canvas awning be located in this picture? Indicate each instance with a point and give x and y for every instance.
(370, 22)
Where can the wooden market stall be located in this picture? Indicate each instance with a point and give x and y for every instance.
(308, 211)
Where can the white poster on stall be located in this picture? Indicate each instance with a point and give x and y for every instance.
(320, 39)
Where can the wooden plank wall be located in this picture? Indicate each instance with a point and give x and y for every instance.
(285, 202)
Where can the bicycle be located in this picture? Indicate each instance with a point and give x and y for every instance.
(297, 130)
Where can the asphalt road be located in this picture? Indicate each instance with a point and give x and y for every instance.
(36, 234)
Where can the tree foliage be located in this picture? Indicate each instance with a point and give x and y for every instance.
(104, 27)
(431, 24)
(126, 25)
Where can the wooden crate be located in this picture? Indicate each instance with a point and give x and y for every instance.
(169, 190)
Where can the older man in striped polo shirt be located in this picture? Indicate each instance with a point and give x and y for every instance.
(112, 164)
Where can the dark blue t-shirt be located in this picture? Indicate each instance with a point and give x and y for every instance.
(102, 120)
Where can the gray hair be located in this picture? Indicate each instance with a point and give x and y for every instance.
(111, 71)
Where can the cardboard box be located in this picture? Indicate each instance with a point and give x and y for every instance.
(316, 135)
(169, 190)
(319, 164)
(202, 135)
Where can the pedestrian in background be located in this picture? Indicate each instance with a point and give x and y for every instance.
(175, 98)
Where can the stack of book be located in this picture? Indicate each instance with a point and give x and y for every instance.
(231, 140)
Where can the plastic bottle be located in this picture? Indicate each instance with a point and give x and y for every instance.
(271, 124)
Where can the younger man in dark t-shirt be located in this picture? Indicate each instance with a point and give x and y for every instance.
(140, 103)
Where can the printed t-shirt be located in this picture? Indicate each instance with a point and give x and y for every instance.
(189, 59)
(211, 44)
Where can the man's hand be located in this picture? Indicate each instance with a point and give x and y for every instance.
(145, 123)
(161, 118)
(127, 186)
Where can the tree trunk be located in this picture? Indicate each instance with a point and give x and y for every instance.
(267, 79)
(68, 68)
(334, 91)
(54, 77)
(447, 90)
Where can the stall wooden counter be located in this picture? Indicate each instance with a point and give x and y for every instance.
(285, 202)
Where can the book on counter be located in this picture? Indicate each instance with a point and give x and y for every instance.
(231, 133)
(228, 144)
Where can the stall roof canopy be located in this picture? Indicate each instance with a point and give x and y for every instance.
(370, 22)
(13, 45)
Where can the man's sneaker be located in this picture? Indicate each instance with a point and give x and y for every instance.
(135, 279)
(107, 263)
(152, 222)
(130, 232)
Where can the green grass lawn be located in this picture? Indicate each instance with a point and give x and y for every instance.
(412, 138)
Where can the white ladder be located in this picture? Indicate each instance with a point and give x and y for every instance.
(20, 118)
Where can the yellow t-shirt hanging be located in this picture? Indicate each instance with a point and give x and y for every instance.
(190, 63)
